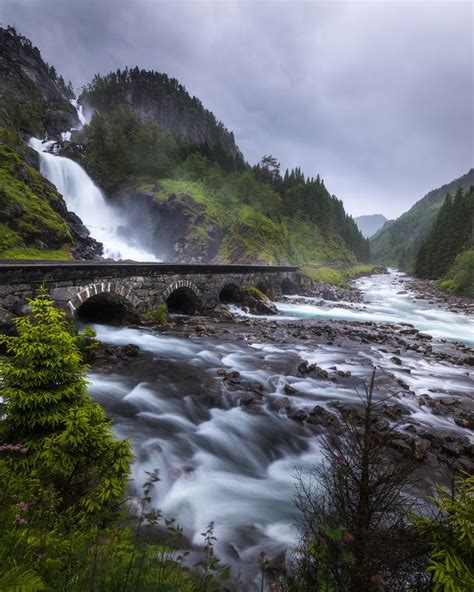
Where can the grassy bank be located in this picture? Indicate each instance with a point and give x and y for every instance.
(338, 276)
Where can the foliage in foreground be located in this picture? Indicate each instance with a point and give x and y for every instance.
(63, 475)
(451, 536)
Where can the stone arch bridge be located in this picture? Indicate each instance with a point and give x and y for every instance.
(102, 290)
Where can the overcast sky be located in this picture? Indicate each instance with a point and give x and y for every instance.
(377, 97)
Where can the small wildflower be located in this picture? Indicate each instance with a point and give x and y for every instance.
(23, 506)
(19, 520)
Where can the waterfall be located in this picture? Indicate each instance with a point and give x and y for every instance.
(105, 222)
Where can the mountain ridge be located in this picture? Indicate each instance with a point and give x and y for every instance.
(369, 224)
(398, 243)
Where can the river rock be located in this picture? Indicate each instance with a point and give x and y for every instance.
(247, 400)
(298, 415)
(321, 416)
(128, 351)
(313, 370)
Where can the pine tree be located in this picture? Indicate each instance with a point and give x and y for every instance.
(47, 409)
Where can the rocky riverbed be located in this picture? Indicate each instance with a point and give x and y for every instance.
(229, 406)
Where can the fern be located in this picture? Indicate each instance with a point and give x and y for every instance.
(20, 579)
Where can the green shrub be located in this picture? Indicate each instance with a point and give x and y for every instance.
(48, 410)
(158, 316)
(254, 291)
(451, 537)
(460, 276)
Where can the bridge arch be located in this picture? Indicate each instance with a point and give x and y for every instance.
(104, 302)
(182, 296)
(230, 292)
(288, 286)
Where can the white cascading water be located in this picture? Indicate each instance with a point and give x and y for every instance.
(85, 199)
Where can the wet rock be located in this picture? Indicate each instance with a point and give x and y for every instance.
(420, 448)
(298, 415)
(319, 415)
(284, 403)
(392, 411)
(411, 331)
(343, 373)
(256, 387)
(128, 351)
(424, 399)
(401, 445)
(396, 360)
(465, 420)
(289, 390)
(223, 313)
(257, 303)
(454, 447)
(313, 371)
(247, 400)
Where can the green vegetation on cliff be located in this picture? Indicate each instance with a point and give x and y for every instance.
(397, 244)
(448, 251)
(259, 214)
(32, 213)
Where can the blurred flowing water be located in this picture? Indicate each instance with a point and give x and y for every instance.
(235, 465)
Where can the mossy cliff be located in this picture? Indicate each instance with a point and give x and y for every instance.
(34, 221)
(34, 100)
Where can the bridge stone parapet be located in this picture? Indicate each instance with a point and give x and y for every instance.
(139, 286)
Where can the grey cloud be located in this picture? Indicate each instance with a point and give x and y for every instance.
(376, 97)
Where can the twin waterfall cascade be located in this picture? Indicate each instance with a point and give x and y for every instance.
(84, 198)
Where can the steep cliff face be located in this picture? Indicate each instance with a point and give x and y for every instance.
(163, 100)
(34, 220)
(33, 98)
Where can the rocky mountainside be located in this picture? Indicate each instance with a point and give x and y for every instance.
(34, 100)
(370, 223)
(397, 244)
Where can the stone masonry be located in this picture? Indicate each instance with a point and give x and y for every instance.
(141, 285)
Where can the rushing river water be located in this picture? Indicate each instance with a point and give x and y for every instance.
(235, 465)
(389, 301)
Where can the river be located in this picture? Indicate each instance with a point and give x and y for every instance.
(234, 464)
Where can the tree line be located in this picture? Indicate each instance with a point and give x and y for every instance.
(448, 249)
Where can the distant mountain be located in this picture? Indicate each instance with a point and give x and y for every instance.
(397, 244)
(369, 224)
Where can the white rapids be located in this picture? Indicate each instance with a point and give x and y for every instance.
(220, 461)
(82, 196)
(387, 301)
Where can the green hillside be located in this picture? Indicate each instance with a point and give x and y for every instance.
(259, 213)
(398, 243)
